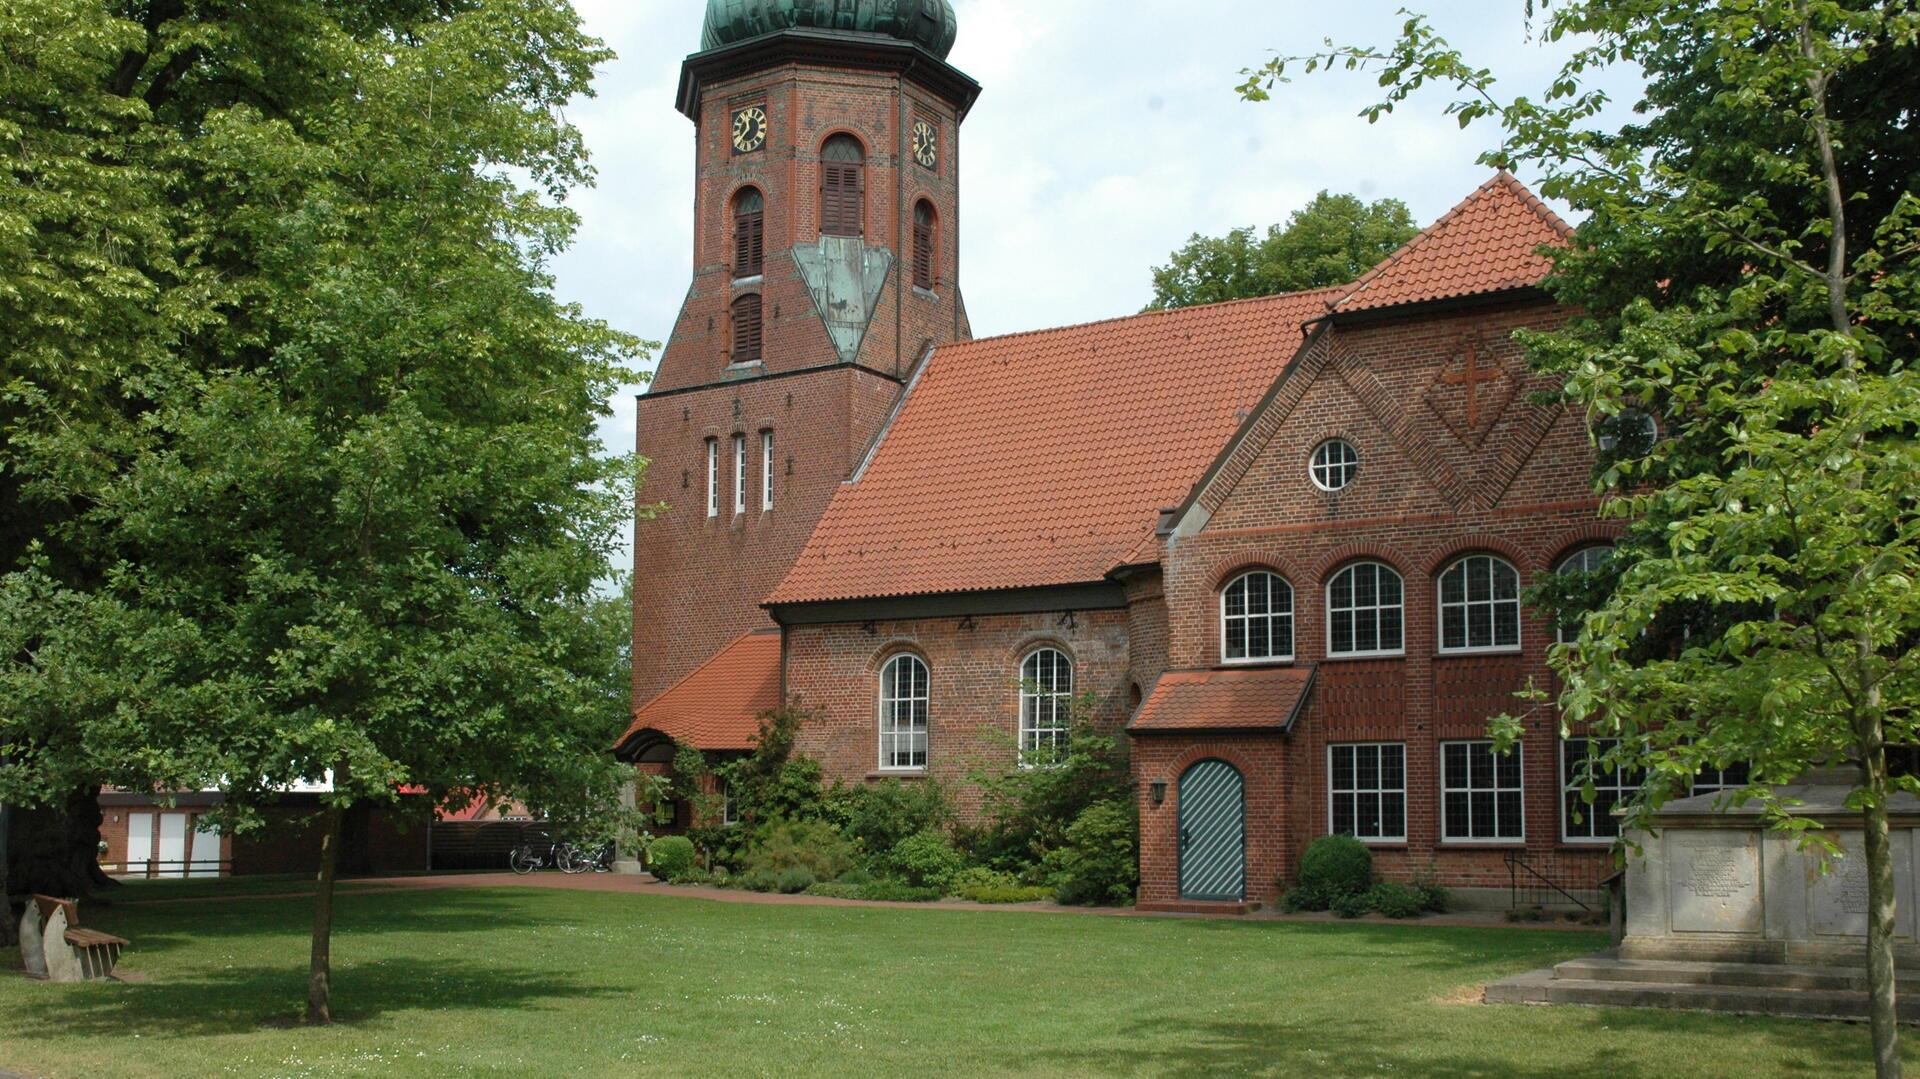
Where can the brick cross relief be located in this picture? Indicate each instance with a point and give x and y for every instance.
(1471, 377)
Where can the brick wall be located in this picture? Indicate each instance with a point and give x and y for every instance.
(975, 679)
(1516, 487)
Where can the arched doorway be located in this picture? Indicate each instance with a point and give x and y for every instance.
(1213, 833)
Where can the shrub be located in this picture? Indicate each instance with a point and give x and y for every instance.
(895, 891)
(855, 876)
(980, 876)
(1295, 900)
(1395, 900)
(926, 860)
(759, 880)
(794, 881)
(812, 845)
(1010, 893)
(1335, 866)
(671, 857)
(1352, 904)
(1433, 898)
(881, 816)
(1100, 862)
(835, 891)
(1028, 809)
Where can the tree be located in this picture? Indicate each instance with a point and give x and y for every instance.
(1748, 275)
(1332, 240)
(303, 444)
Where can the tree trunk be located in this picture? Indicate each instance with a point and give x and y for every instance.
(1880, 910)
(320, 972)
(55, 849)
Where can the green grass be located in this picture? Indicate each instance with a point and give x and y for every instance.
(514, 982)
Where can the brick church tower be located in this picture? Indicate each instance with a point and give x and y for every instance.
(825, 268)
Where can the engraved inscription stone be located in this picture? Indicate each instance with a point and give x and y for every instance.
(1715, 882)
(1840, 897)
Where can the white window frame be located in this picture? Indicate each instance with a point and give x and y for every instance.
(1566, 566)
(1333, 653)
(727, 819)
(739, 474)
(1272, 616)
(1467, 604)
(1379, 791)
(766, 470)
(1569, 789)
(1034, 697)
(1650, 431)
(1321, 468)
(713, 477)
(1520, 760)
(891, 729)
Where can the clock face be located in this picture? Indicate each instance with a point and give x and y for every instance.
(749, 129)
(926, 144)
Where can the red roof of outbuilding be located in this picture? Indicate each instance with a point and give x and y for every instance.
(1489, 243)
(1044, 458)
(718, 706)
(1254, 698)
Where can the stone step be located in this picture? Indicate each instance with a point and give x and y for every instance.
(1602, 968)
(1798, 1003)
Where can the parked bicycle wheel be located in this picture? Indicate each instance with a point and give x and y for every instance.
(571, 859)
(523, 860)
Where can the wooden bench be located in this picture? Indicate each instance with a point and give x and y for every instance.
(57, 948)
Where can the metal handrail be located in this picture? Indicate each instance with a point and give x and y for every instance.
(1517, 861)
(173, 869)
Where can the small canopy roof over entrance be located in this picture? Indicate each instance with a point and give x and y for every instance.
(718, 706)
(1257, 699)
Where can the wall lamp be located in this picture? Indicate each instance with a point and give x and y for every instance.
(1158, 788)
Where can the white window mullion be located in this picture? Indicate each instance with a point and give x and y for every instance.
(766, 470)
(713, 477)
(739, 474)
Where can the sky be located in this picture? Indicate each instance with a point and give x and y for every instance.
(1100, 144)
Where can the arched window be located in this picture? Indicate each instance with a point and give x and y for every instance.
(1256, 618)
(1366, 611)
(1479, 605)
(1046, 696)
(1581, 563)
(749, 234)
(925, 229)
(746, 329)
(904, 697)
(843, 186)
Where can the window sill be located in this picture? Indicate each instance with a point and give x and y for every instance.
(743, 282)
(1469, 653)
(1276, 661)
(925, 293)
(1485, 844)
(1351, 657)
(897, 773)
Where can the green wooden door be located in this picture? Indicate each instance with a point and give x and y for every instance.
(1213, 833)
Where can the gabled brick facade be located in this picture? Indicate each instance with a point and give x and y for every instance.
(1095, 490)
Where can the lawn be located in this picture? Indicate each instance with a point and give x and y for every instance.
(513, 982)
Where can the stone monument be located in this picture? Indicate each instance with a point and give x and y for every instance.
(1713, 883)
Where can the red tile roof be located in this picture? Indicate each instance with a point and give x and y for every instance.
(1489, 243)
(1044, 458)
(718, 706)
(1257, 698)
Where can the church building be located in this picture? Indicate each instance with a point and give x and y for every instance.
(1282, 542)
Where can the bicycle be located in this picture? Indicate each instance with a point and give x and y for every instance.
(528, 857)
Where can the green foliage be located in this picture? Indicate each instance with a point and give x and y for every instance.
(1011, 893)
(835, 890)
(882, 815)
(980, 876)
(896, 891)
(794, 881)
(1434, 898)
(925, 860)
(1029, 808)
(1330, 241)
(771, 783)
(1396, 900)
(671, 857)
(813, 845)
(1351, 904)
(1331, 867)
(1099, 863)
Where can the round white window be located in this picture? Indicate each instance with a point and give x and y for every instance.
(1335, 464)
